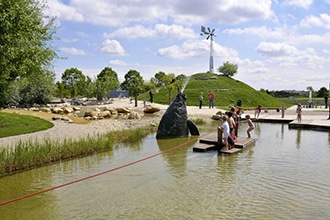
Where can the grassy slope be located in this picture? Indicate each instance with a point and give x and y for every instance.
(227, 91)
(15, 124)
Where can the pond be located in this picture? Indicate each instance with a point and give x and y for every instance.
(284, 175)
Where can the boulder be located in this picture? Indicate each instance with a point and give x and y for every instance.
(149, 109)
(57, 110)
(91, 114)
(123, 110)
(67, 110)
(134, 115)
(106, 114)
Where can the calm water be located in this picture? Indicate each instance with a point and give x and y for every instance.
(285, 175)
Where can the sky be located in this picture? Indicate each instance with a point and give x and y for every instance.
(277, 45)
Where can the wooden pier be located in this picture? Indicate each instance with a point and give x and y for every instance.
(210, 142)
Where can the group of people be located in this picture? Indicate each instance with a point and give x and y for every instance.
(210, 96)
(229, 126)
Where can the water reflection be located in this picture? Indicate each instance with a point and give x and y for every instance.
(298, 140)
(285, 175)
(177, 158)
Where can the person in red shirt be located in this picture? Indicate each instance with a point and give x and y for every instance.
(211, 97)
(257, 111)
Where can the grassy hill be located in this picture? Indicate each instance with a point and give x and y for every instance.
(227, 92)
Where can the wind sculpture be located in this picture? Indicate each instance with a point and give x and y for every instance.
(210, 34)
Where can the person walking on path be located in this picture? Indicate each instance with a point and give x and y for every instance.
(151, 94)
(299, 111)
(200, 100)
(211, 97)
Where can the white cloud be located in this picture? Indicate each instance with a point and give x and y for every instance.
(299, 3)
(289, 56)
(117, 63)
(276, 49)
(72, 50)
(63, 12)
(188, 12)
(313, 21)
(262, 32)
(191, 49)
(159, 31)
(112, 47)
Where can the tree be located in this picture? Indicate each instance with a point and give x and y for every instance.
(74, 81)
(160, 78)
(169, 79)
(322, 92)
(28, 91)
(107, 80)
(228, 69)
(133, 83)
(25, 49)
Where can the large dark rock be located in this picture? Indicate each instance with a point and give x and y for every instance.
(174, 122)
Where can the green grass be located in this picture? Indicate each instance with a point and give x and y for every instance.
(15, 124)
(32, 154)
(227, 92)
(28, 155)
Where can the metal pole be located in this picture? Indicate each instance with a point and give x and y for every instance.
(283, 110)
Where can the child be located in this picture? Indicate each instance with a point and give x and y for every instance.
(250, 123)
(228, 140)
(232, 124)
(257, 111)
(299, 111)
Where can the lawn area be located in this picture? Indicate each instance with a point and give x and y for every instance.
(16, 124)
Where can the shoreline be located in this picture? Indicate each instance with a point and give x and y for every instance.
(61, 130)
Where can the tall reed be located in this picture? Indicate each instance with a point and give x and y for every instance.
(32, 154)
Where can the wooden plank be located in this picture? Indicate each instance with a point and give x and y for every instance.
(210, 142)
(211, 138)
(242, 142)
(202, 147)
(231, 151)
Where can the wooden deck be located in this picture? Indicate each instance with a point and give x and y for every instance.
(210, 142)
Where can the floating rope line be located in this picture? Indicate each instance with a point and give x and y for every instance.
(101, 173)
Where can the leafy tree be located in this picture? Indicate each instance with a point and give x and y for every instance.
(107, 80)
(169, 79)
(228, 69)
(160, 78)
(60, 90)
(90, 87)
(25, 49)
(74, 81)
(28, 91)
(322, 92)
(180, 81)
(133, 83)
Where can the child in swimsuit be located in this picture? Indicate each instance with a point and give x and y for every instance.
(251, 125)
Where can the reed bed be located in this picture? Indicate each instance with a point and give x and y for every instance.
(33, 154)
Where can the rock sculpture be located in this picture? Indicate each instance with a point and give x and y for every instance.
(175, 122)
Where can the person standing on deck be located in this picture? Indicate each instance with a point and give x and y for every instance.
(299, 111)
(227, 139)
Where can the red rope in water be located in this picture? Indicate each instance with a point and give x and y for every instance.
(99, 174)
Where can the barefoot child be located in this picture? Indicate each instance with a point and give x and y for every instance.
(228, 140)
(298, 111)
(250, 123)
